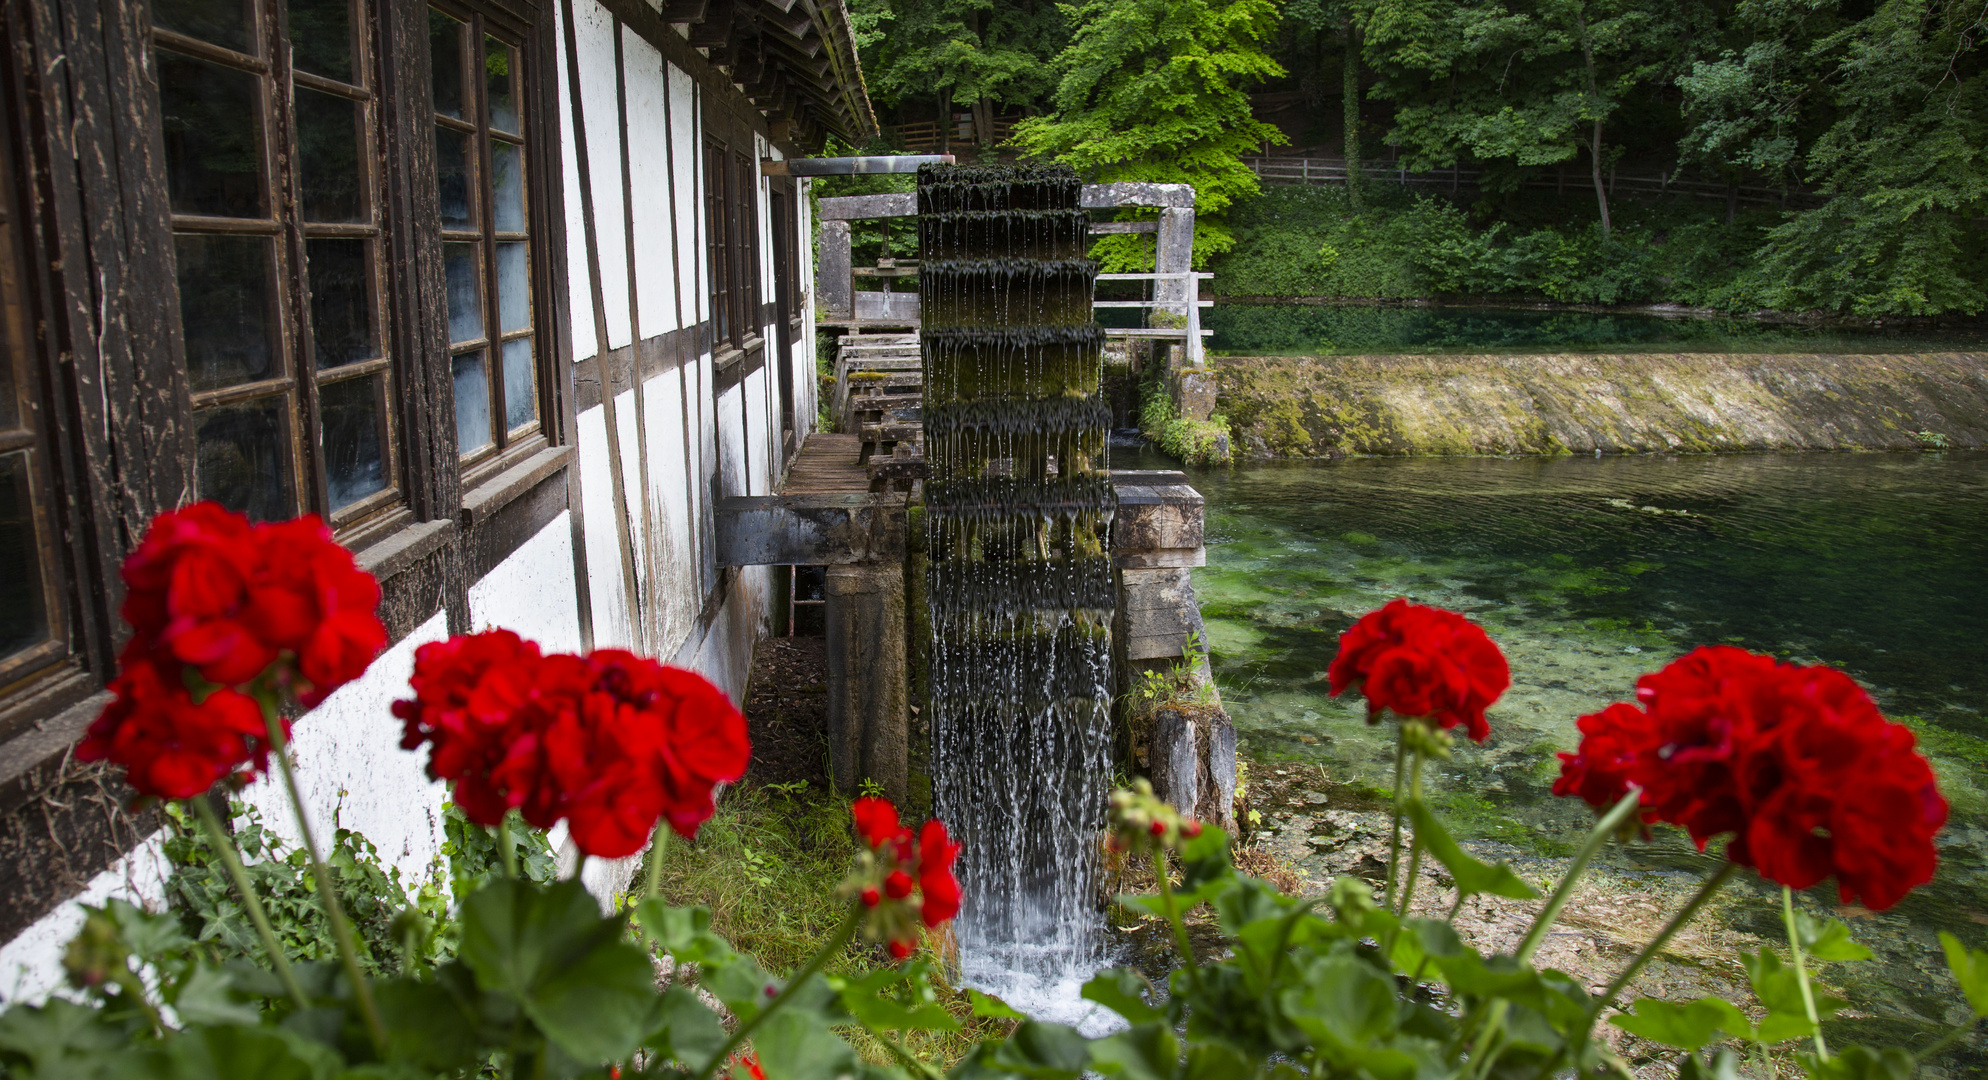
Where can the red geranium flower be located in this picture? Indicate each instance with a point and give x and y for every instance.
(214, 601)
(1795, 762)
(876, 821)
(609, 742)
(1421, 662)
(901, 882)
(936, 854)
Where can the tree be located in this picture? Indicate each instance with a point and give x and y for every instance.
(1318, 18)
(1155, 90)
(1527, 82)
(969, 52)
(1896, 125)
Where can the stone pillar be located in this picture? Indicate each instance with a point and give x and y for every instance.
(1174, 253)
(868, 736)
(833, 285)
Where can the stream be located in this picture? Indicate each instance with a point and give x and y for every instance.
(1592, 571)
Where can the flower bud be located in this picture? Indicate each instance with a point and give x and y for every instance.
(898, 885)
(871, 897)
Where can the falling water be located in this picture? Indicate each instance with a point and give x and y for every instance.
(1018, 511)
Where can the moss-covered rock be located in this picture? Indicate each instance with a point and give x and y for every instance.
(1624, 403)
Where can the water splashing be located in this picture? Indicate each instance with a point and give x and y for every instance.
(1018, 513)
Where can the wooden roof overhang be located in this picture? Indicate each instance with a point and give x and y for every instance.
(796, 60)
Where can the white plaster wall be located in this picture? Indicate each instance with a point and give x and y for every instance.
(594, 35)
(532, 592)
(353, 774)
(31, 964)
(762, 426)
(674, 581)
(649, 161)
(630, 430)
(731, 435)
(613, 622)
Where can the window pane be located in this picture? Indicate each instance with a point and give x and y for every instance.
(514, 292)
(472, 403)
(224, 306)
(321, 37)
(341, 301)
(329, 156)
(499, 64)
(445, 45)
(507, 185)
(223, 22)
(354, 458)
(213, 155)
(23, 615)
(520, 384)
(453, 178)
(461, 266)
(242, 464)
(328, 153)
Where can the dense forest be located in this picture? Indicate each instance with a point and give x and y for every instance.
(1792, 155)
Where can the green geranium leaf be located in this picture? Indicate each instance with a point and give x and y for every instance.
(1970, 969)
(231, 1052)
(1471, 876)
(687, 1030)
(430, 1023)
(1345, 1004)
(1044, 1052)
(683, 932)
(795, 1045)
(1214, 1061)
(1862, 1063)
(1723, 1066)
(1125, 992)
(1142, 1052)
(547, 948)
(1780, 989)
(1688, 1026)
(205, 997)
(989, 1005)
(46, 1036)
(1827, 939)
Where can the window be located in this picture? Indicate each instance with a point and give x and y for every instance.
(732, 244)
(270, 118)
(31, 631)
(486, 249)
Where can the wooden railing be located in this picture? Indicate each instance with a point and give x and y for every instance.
(1332, 171)
(1189, 286)
(923, 138)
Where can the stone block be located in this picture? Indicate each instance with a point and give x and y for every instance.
(1194, 393)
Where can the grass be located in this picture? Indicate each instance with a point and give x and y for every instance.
(767, 864)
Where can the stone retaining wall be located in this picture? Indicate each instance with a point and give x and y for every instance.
(1623, 403)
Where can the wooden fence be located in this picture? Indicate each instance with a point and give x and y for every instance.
(1273, 171)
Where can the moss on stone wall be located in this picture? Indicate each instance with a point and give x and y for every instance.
(1623, 403)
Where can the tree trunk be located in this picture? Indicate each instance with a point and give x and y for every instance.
(1350, 92)
(983, 121)
(1601, 191)
(946, 121)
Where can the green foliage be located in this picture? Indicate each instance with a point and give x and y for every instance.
(1158, 91)
(203, 898)
(965, 51)
(1194, 442)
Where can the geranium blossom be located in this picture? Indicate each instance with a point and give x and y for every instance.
(609, 742)
(1794, 762)
(1421, 662)
(901, 881)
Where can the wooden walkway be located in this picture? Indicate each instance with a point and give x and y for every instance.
(827, 465)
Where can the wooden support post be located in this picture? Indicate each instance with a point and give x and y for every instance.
(868, 715)
(834, 287)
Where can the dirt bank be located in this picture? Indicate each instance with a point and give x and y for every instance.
(1623, 403)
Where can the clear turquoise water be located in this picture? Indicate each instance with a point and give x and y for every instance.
(1590, 572)
(1308, 330)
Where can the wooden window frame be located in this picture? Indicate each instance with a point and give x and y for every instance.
(507, 443)
(298, 380)
(719, 222)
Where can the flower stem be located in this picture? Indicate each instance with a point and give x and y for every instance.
(1415, 844)
(815, 963)
(653, 887)
(897, 1049)
(1801, 970)
(1394, 840)
(507, 853)
(1603, 829)
(1663, 937)
(1174, 914)
(341, 928)
(224, 846)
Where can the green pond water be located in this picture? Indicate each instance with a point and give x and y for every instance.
(1309, 330)
(1590, 572)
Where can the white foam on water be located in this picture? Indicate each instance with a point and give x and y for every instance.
(1042, 982)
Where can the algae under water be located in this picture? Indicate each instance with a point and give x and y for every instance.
(1592, 571)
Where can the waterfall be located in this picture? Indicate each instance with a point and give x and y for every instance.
(1018, 513)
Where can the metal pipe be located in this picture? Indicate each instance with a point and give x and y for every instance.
(850, 166)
